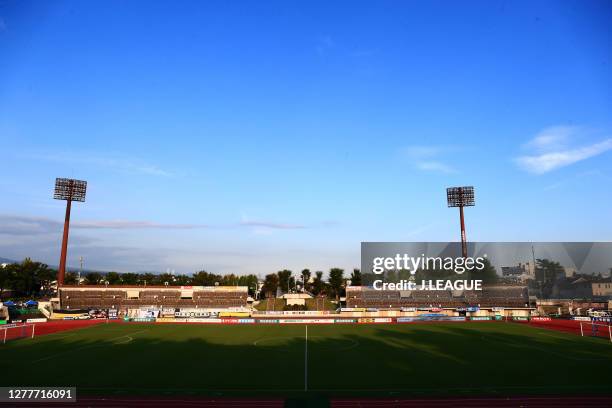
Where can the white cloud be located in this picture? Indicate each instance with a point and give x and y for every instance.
(121, 164)
(420, 152)
(434, 166)
(260, 225)
(124, 224)
(429, 158)
(551, 150)
(552, 138)
(23, 225)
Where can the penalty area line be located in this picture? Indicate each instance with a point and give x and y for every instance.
(90, 346)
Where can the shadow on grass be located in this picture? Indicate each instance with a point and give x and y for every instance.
(410, 360)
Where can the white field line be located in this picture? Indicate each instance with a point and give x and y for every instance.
(90, 346)
(306, 359)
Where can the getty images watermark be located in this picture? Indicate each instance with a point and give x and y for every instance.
(423, 263)
(441, 266)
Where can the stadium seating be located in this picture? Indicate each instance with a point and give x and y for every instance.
(103, 298)
(492, 296)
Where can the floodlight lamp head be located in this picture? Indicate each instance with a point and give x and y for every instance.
(70, 189)
(460, 196)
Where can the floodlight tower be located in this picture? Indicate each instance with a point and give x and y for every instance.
(69, 190)
(461, 197)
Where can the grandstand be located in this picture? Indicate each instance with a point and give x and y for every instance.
(127, 297)
(490, 296)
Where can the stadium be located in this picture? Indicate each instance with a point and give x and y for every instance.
(326, 204)
(157, 344)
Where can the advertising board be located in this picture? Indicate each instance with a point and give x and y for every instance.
(346, 320)
(541, 319)
(306, 321)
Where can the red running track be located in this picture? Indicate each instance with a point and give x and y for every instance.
(40, 329)
(63, 325)
(531, 402)
(568, 326)
(573, 326)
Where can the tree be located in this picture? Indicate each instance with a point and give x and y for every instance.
(204, 278)
(113, 278)
(318, 286)
(404, 274)
(71, 278)
(129, 278)
(182, 280)
(46, 277)
(148, 278)
(391, 276)
(30, 278)
(270, 285)
(93, 278)
(6, 278)
(356, 277)
(249, 281)
(292, 283)
(283, 280)
(336, 280)
(162, 279)
(306, 279)
(487, 274)
(550, 269)
(229, 280)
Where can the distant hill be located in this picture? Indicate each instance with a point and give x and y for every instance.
(76, 270)
(68, 269)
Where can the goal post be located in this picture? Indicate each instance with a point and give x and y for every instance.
(595, 329)
(15, 332)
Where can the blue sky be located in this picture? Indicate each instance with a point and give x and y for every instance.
(248, 137)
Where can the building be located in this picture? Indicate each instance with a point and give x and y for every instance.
(545, 276)
(517, 273)
(514, 271)
(298, 299)
(602, 288)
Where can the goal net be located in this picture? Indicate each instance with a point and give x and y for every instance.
(16, 331)
(595, 329)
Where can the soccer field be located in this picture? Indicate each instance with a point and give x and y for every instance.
(440, 359)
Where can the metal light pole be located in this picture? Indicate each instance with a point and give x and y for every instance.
(69, 190)
(80, 270)
(461, 197)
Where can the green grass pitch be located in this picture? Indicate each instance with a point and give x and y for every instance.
(416, 360)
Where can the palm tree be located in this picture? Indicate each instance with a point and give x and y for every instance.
(305, 278)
